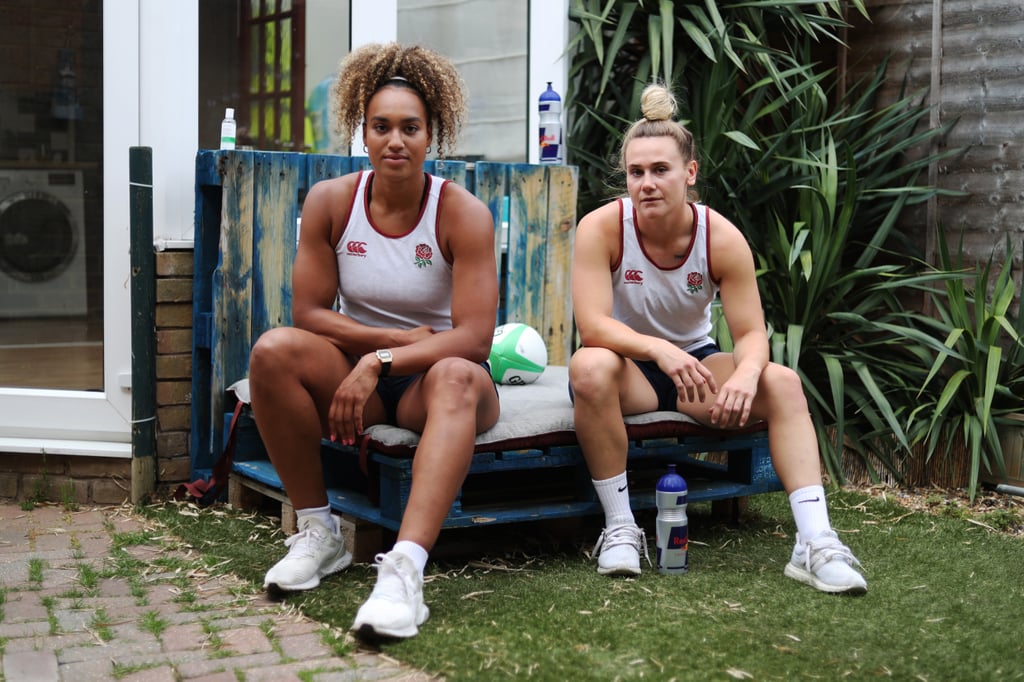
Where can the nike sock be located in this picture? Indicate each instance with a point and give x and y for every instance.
(321, 513)
(810, 511)
(414, 552)
(613, 494)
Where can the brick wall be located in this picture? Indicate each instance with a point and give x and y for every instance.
(65, 478)
(173, 366)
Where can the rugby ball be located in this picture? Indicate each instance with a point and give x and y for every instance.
(518, 354)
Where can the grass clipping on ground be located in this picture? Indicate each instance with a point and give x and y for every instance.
(945, 597)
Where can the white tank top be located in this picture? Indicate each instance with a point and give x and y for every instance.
(400, 282)
(670, 303)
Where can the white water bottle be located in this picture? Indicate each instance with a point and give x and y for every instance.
(672, 531)
(227, 129)
(550, 110)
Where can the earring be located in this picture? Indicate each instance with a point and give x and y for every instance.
(428, 148)
(365, 150)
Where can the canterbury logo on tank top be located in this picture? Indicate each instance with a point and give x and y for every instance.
(395, 281)
(670, 303)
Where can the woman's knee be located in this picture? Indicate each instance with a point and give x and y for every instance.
(785, 388)
(455, 374)
(268, 350)
(279, 351)
(595, 372)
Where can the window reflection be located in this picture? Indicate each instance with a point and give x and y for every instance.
(51, 221)
(488, 42)
(266, 59)
(273, 62)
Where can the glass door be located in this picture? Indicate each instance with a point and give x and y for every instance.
(51, 213)
(64, 336)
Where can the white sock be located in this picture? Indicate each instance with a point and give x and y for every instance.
(613, 494)
(414, 552)
(810, 511)
(321, 513)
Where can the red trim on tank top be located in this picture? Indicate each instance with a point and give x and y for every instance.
(622, 230)
(689, 247)
(419, 216)
(707, 246)
(437, 220)
(351, 205)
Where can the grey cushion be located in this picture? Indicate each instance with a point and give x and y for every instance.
(533, 416)
(541, 410)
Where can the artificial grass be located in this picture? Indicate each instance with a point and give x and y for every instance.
(945, 600)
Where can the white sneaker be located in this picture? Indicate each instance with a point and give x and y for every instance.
(395, 608)
(618, 550)
(313, 552)
(826, 564)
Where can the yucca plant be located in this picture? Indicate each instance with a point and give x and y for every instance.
(816, 185)
(977, 378)
(622, 45)
(831, 282)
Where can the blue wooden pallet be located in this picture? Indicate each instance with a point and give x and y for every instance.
(380, 496)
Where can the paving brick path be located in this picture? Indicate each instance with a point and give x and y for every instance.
(62, 618)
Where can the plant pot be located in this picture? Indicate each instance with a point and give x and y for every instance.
(1011, 438)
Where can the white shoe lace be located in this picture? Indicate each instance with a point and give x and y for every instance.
(388, 567)
(625, 534)
(305, 543)
(824, 549)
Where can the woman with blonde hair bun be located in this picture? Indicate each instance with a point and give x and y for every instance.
(646, 270)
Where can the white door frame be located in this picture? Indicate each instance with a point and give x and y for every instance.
(96, 422)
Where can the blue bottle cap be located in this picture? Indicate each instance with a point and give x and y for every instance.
(550, 95)
(671, 481)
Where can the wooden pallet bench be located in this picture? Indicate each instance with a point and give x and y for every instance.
(529, 466)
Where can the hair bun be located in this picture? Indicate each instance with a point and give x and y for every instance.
(657, 103)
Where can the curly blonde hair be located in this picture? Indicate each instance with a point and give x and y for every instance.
(433, 77)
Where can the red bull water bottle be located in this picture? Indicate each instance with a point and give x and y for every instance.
(672, 531)
(550, 110)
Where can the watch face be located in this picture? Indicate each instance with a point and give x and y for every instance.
(384, 355)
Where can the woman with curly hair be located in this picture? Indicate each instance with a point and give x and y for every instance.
(410, 258)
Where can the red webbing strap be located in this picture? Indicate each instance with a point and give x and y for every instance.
(207, 492)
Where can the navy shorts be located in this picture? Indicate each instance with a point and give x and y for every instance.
(662, 384)
(391, 390)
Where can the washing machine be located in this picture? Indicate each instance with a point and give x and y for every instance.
(42, 243)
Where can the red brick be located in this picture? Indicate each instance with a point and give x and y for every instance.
(174, 315)
(9, 485)
(184, 637)
(177, 366)
(99, 467)
(176, 418)
(106, 491)
(174, 341)
(243, 641)
(174, 290)
(171, 444)
(175, 470)
(173, 393)
(174, 263)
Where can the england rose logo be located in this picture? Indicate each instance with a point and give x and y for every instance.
(694, 282)
(423, 255)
